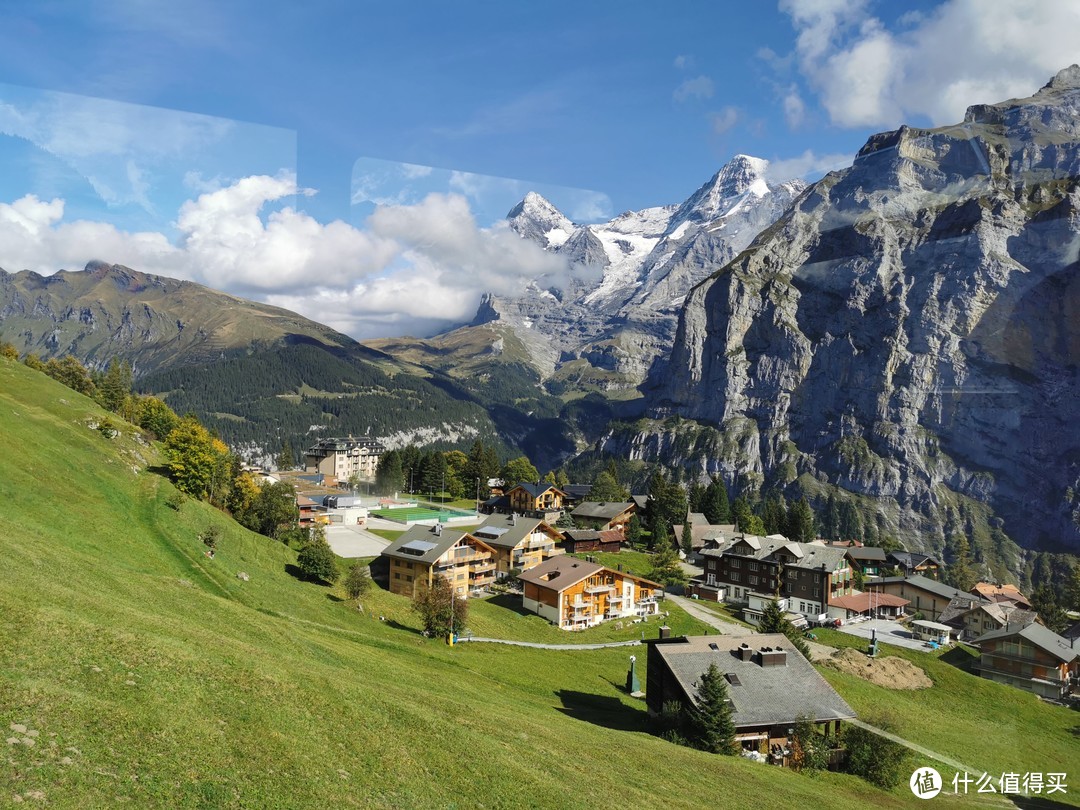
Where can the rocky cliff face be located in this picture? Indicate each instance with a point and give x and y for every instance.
(909, 331)
(620, 313)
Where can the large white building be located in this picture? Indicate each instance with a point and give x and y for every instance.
(343, 458)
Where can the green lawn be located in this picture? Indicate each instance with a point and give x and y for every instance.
(638, 563)
(989, 726)
(136, 671)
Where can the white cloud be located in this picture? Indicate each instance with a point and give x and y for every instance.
(700, 87)
(724, 120)
(682, 61)
(412, 268)
(936, 64)
(794, 107)
(808, 166)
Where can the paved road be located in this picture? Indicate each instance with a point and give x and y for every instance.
(539, 646)
(354, 541)
(887, 633)
(705, 615)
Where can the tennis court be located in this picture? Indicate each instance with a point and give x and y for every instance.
(413, 514)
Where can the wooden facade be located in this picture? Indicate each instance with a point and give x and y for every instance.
(575, 594)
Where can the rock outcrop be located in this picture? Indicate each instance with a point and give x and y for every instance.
(909, 331)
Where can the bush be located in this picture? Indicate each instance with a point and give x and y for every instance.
(876, 759)
(440, 610)
(318, 561)
(210, 537)
(357, 581)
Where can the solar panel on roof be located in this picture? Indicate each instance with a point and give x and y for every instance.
(418, 547)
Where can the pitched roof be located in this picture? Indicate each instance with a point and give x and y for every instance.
(601, 509)
(862, 602)
(1000, 592)
(771, 695)
(606, 536)
(577, 491)
(958, 607)
(506, 531)
(1043, 638)
(560, 572)
(930, 586)
(422, 544)
(809, 555)
(912, 559)
(535, 490)
(866, 553)
(701, 532)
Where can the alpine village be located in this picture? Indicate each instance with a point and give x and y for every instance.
(728, 530)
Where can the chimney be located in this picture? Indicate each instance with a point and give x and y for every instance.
(745, 652)
(513, 518)
(772, 657)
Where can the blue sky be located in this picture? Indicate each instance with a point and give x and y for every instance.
(128, 127)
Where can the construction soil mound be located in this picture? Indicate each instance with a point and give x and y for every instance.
(888, 671)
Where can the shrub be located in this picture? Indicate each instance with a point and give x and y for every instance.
(318, 561)
(876, 759)
(357, 581)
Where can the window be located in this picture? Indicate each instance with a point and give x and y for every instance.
(792, 574)
(735, 577)
(753, 580)
(752, 565)
(735, 562)
(397, 575)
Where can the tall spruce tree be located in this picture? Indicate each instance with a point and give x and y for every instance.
(710, 724)
(716, 507)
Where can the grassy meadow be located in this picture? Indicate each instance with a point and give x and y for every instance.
(135, 671)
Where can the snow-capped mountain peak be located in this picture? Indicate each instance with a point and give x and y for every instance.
(538, 219)
(741, 177)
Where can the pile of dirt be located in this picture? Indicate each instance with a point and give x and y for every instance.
(888, 671)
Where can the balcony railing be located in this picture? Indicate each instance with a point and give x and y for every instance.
(599, 588)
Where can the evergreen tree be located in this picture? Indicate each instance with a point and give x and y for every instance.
(959, 573)
(665, 566)
(850, 527)
(115, 385)
(716, 506)
(274, 509)
(633, 530)
(388, 474)
(286, 460)
(562, 480)
(1044, 602)
(696, 497)
(687, 540)
(774, 515)
(410, 467)
(740, 510)
(800, 522)
(830, 519)
(710, 725)
(1072, 589)
(773, 620)
(549, 479)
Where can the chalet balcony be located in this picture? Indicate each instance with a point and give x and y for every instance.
(599, 588)
(488, 565)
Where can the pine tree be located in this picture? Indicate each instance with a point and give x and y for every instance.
(696, 496)
(286, 460)
(710, 725)
(800, 522)
(830, 519)
(388, 475)
(716, 507)
(687, 540)
(774, 515)
(633, 530)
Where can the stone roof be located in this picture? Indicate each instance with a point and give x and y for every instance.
(862, 602)
(770, 695)
(559, 573)
(1042, 637)
(601, 509)
(422, 544)
(810, 555)
(506, 531)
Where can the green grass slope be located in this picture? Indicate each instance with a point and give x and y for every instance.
(135, 671)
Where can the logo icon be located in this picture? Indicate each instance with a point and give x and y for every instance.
(925, 783)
